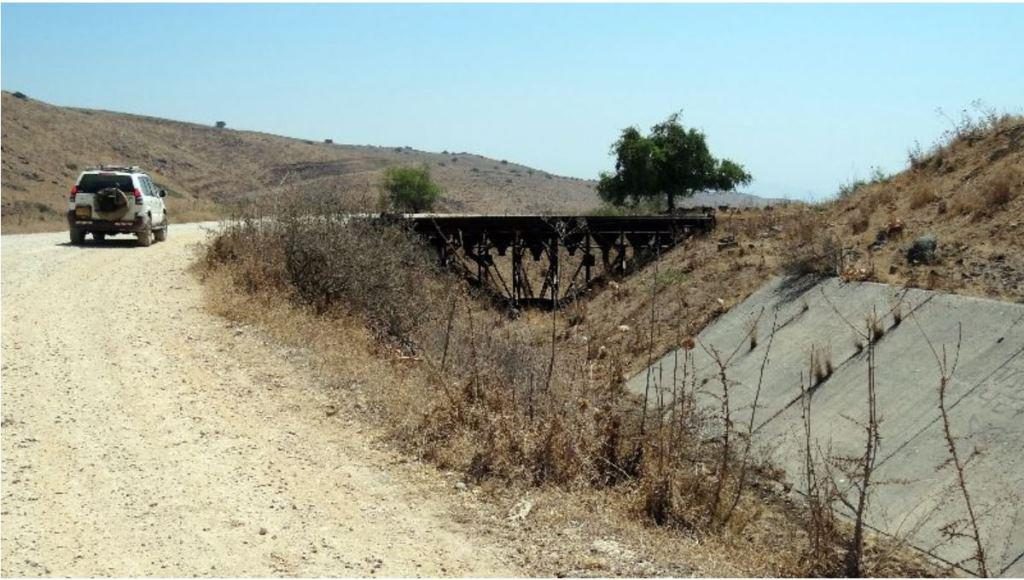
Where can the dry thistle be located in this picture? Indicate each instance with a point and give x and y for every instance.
(875, 327)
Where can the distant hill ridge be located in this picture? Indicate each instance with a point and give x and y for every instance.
(207, 169)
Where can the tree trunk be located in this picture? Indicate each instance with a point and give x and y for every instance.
(671, 202)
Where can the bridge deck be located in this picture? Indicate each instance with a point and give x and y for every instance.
(547, 225)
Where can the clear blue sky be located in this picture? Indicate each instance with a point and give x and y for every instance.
(807, 97)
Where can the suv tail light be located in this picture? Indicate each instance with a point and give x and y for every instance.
(74, 190)
(138, 196)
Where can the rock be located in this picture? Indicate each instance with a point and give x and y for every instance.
(623, 328)
(263, 531)
(881, 238)
(519, 511)
(461, 486)
(922, 251)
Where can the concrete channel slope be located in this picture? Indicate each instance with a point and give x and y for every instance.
(917, 493)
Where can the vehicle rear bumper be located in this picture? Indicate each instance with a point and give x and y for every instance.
(121, 226)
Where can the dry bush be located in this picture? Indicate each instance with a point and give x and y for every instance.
(921, 196)
(993, 194)
(323, 259)
(808, 246)
(1002, 187)
(861, 219)
(885, 197)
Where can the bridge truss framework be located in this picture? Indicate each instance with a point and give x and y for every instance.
(482, 247)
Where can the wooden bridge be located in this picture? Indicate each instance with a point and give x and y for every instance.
(489, 249)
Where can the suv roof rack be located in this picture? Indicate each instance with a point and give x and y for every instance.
(124, 168)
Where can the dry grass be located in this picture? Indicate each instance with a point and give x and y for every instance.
(921, 196)
(861, 219)
(809, 248)
(531, 403)
(994, 193)
(966, 191)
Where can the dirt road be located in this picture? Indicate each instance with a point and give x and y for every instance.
(142, 436)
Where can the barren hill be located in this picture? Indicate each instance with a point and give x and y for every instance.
(207, 169)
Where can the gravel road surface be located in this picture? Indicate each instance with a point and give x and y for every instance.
(143, 436)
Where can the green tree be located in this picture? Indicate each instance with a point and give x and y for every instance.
(635, 172)
(411, 188)
(670, 161)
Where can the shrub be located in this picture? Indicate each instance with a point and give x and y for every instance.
(849, 189)
(921, 196)
(993, 194)
(220, 124)
(916, 157)
(410, 188)
(808, 248)
(861, 219)
(1002, 187)
(322, 259)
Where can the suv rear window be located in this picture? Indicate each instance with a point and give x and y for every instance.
(96, 182)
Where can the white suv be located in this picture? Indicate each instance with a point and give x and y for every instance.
(116, 200)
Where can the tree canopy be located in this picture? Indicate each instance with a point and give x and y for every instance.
(670, 161)
(411, 188)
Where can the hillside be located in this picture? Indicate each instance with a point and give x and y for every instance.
(207, 169)
(967, 192)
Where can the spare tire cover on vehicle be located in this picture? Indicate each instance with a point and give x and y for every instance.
(111, 203)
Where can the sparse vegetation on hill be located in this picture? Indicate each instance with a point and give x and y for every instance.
(967, 191)
(215, 169)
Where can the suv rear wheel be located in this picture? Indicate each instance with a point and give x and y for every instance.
(77, 236)
(146, 235)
